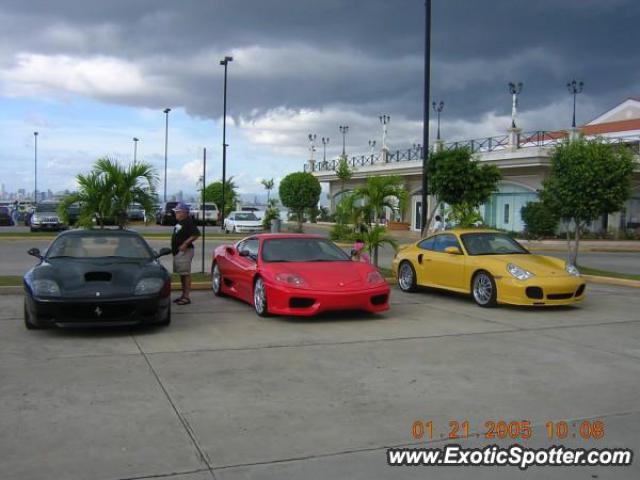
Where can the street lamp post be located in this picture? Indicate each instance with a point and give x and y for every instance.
(35, 168)
(372, 146)
(325, 141)
(225, 62)
(574, 88)
(166, 144)
(438, 107)
(425, 119)
(343, 130)
(135, 148)
(514, 90)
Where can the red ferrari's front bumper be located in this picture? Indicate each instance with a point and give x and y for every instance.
(282, 300)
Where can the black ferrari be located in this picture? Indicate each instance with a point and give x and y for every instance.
(97, 277)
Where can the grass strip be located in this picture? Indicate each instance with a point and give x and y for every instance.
(606, 273)
(10, 280)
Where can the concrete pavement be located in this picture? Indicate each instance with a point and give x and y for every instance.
(224, 394)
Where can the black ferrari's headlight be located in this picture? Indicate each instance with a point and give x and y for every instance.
(148, 286)
(46, 288)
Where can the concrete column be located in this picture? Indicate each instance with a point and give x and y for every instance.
(438, 146)
(385, 155)
(311, 165)
(514, 134)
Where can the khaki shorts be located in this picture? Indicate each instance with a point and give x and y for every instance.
(182, 262)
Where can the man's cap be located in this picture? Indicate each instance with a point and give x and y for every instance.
(181, 207)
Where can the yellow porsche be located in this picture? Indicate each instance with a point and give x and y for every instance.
(489, 265)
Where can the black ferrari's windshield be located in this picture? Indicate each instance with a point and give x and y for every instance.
(96, 246)
(489, 243)
(301, 250)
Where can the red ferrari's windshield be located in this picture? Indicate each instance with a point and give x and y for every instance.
(301, 250)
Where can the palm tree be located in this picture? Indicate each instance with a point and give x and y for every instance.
(134, 184)
(108, 191)
(376, 237)
(381, 192)
(348, 211)
(94, 204)
(268, 184)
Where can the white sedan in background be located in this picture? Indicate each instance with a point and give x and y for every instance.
(242, 222)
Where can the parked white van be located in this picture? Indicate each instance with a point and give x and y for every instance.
(209, 214)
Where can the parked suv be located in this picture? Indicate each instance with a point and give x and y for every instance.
(166, 215)
(209, 214)
(5, 216)
(45, 217)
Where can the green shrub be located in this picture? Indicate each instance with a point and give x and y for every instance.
(539, 220)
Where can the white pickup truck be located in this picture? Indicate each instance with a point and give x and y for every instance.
(209, 214)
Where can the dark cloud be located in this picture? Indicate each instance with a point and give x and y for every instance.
(361, 55)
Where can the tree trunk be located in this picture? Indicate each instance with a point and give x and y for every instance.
(300, 216)
(431, 215)
(574, 256)
(375, 256)
(568, 245)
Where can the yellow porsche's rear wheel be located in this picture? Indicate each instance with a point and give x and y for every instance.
(483, 289)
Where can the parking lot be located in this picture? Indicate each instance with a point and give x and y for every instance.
(224, 394)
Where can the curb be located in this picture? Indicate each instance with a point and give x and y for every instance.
(621, 282)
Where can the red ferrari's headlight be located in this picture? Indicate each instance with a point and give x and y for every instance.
(291, 279)
(374, 277)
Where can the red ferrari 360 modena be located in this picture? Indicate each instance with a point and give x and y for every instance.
(296, 275)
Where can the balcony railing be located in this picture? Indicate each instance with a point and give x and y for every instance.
(538, 138)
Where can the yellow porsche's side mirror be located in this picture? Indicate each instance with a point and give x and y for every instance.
(453, 250)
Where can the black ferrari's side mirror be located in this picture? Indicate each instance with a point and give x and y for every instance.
(353, 252)
(163, 251)
(34, 252)
(245, 253)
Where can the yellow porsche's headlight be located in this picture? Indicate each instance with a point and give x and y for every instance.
(572, 270)
(518, 272)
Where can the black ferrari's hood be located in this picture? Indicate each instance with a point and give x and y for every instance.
(103, 277)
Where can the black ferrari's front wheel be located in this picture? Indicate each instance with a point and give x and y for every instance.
(27, 319)
(216, 280)
(260, 298)
(483, 288)
(167, 319)
(407, 277)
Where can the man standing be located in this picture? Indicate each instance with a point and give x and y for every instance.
(184, 234)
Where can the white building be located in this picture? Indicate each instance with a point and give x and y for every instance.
(522, 157)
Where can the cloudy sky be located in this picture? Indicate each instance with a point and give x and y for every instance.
(91, 75)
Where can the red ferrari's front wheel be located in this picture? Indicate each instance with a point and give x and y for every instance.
(260, 298)
(216, 280)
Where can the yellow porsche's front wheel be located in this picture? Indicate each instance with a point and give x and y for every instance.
(406, 277)
(483, 288)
